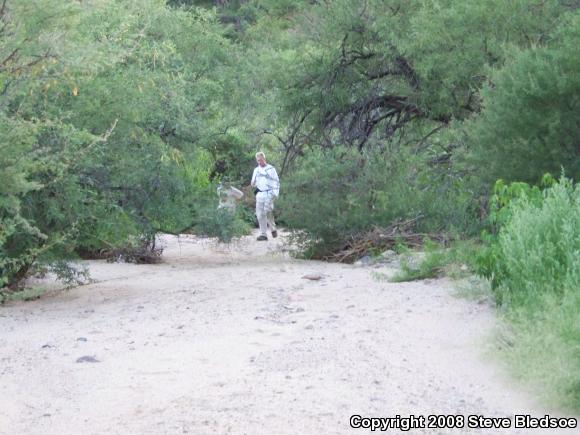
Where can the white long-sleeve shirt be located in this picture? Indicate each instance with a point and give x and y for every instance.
(266, 179)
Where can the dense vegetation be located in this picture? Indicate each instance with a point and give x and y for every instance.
(118, 118)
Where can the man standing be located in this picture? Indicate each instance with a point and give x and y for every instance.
(265, 180)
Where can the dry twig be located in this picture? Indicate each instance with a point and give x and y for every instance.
(382, 239)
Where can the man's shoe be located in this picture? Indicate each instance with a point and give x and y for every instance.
(274, 233)
(262, 238)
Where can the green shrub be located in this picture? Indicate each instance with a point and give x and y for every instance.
(537, 248)
(455, 261)
(26, 294)
(429, 267)
(531, 109)
(500, 212)
(100, 135)
(544, 346)
(221, 223)
(337, 194)
(534, 264)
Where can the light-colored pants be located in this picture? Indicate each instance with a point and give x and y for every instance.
(265, 212)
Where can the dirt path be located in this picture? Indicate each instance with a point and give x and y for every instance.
(237, 341)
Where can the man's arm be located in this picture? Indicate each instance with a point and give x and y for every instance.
(253, 183)
(276, 187)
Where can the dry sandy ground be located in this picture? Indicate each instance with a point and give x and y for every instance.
(218, 340)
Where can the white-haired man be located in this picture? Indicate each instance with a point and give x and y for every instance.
(265, 180)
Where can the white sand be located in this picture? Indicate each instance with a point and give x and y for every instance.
(236, 341)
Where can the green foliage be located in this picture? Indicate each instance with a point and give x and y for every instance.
(339, 193)
(543, 347)
(69, 273)
(456, 261)
(26, 294)
(538, 246)
(328, 200)
(529, 124)
(503, 195)
(232, 156)
(535, 271)
(501, 211)
(221, 223)
(364, 73)
(453, 43)
(102, 125)
(430, 266)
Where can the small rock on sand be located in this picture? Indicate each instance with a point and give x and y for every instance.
(87, 359)
(312, 277)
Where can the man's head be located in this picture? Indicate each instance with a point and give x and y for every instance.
(261, 158)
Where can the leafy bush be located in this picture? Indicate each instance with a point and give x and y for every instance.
(336, 194)
(455, 261)
(544, 346)
(500, 212)
(539, 247)
(26, 294)
(103, 110)
(428, 267)
(221, 223)
(537, 239)
(532, 110)
(534, 265)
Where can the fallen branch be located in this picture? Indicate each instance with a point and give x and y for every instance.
(382, 239)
